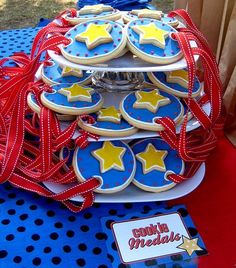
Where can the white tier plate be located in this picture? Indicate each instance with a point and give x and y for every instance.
(135, 64)
(115, 99)
(134, 194)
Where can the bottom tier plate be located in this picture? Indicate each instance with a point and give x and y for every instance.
(133, 194)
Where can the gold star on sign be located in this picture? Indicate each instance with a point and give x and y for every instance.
(190, 245)
(67, 71)
(95, 35)
(179, 76)
(77, 93)
(110, 157)
(152, 159)
(147, 13)
(94, 9)
(110, 114)
(151, 34)
(150, 100)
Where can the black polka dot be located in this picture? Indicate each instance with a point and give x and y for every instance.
(66, 249)
(177, 265)
(121, 265)
(96, 205)
(201, 252)
(147, 208)
(183, 212)
(5, 221)
(11, 212)
(24, 217)
(70, 233)
(36, 261)
(84, 228)
(54, 236)
(29, 248)
(35, 237)
(177, 257)
(3, 254)
(150, 263)
(71, 218)
(102, 266)
(192, 231)
(88, 215)
(101, 236)
(56, 260)
(128, 205)
(110, 257)
(38, 222)
(17, 259)
(97, 251)
(112, 212)
(134, 218)
(21, 229)
(12, 195)
(80, 262)
(20, 202)
(50, 213)
(108, 224)
(58, 225)
(113, 245)
(2, 200)
(47, 250)
(82, 247)
(33, 207)
(10, 237)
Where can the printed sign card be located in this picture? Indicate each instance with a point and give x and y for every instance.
(164, 236)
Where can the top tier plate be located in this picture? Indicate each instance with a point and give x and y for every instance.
(125, 63)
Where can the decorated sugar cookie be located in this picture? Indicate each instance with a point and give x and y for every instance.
(151, 41)
(94, 42)
(142, 108)
(108, 122)
(72, 99)
(155, 159)
(55, 74)
(35, 107)
(175, 82)
(150, 14)
(91, 12)
(112, 162)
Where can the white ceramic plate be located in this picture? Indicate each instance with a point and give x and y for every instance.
(120, 64)
(134, 194)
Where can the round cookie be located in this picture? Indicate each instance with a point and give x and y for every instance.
(95, 41)
(155, 159)
(175, 82)
(151, 41)
(93, 12)
(143, 107)
(108, 122)
(33, 104)
(56, 74)
(151, 14)
(72, 99)
(112, 162)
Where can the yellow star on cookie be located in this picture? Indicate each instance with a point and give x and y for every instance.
(67, 71)
(147, 13)
(150, 100)
(190, 245)
(151, 34)
(179, 76)
(110, 114)
(95, 35)
(77, 93)
(110, 157)
(94, 9)
(152, 159)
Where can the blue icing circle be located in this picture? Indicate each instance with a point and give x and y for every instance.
(65, 152)
(88, 166)
(171, 46)
(58, 99)
(79, 48)
(123, 125)
(54, 73)
(161, 76)
(156, 178)
(172, 110)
